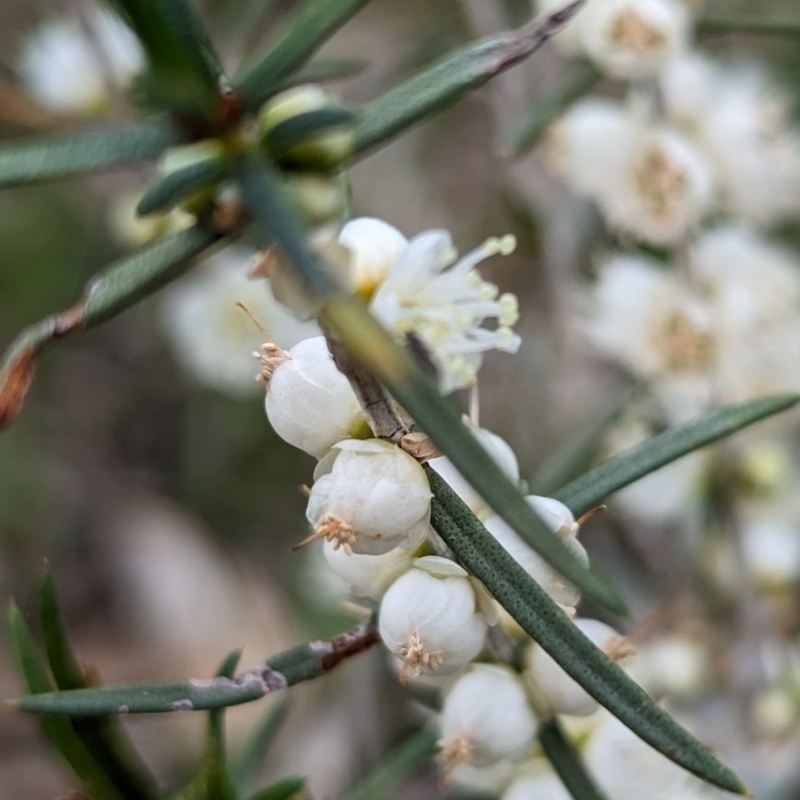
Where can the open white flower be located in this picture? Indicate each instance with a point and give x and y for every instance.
(211, 337)
(662, 191)
(371, 498)
(501, 453)
(632, 39)
(368, 576)
(556, 691)
(486, 718)
(66, 68)
(444, 302)
(430, 618)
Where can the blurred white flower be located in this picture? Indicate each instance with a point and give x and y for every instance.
(568, 38)
(444, 302)
(771, 552)
(66, 65)
(211, 337)
(134, 231)
(367, 575)
(672, 665)
(632, 39)
(491, 780)
(501, 453)
(546, 786)
(374, 246)
(742, 120)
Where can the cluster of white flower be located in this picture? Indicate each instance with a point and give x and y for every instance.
(696, 164)
(69, 65)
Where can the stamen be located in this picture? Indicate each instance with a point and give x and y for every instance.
(337, 532)
(416, 657)
(453, 754)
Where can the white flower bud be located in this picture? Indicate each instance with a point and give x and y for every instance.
(553, 688)
(560, 520)
(632, 39)
(368, 576)
(500, 452)
(374, 498)
(486, 718)
(374, 246)
(537, 787)
(429, 617)
(309, 402)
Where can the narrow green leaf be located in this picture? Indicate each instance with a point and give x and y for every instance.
(748, 22)
(545, 621)
(103, 737)
(575, 456)
(370, 344)
(389, 772)
(58, 730)
(218, 783)
(301, 663)
(591, 489)
(178, 185)
(62, 155)
(178, 47)
(283, 790)
(579, 80)
(448, 80)
(316, 22)
(245, 769)
(567, 763)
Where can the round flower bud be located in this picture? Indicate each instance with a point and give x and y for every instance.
(553, 688)
(208, 152)
(429, 618)
(310, 404)
(541, 787)
(374, 246)
(486, 718)
(560, 520)
(319, 199)
(303, 128)
(372, 497)
(501, 454)
(368, 576)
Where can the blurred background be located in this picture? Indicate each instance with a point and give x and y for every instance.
(165, 508)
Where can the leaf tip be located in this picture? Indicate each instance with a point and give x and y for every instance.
(14, 384)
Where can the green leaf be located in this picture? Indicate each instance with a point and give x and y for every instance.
(371, 345)
(575, 456)
(448, 80)
(301, 663)
(58, 730)
(182, 183)
(283, 790)
(322, 71)
(567, 763)
(63, 155)
(218, 783)
(184, 68)
(103, 737)
(280, 140)
(588, 491)
(382, 780)
(245, 769)
(117, 288)
(579, 80)
(547, 623)
(748, 22)
(316, 22)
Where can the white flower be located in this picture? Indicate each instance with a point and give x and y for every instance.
(368, 576)
(374, 246)
(64, 66)
(771, 551)
(562, 523)
(500, 452)
(632, 39)
(671, 665)
(537, 787)
(591, 144)
(688, 84)
(445, 305)
(663, 190)
(213, 338)
(372, 497)
(656, 327)
(486, 718)
(568, 38)
(309, 403)
(490, 780)
(629, 769)
(430, 619)
(556, 691)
